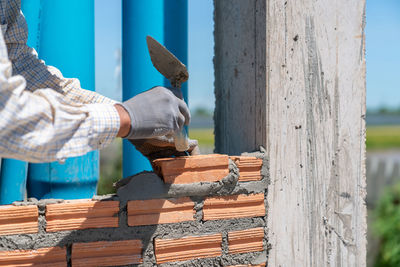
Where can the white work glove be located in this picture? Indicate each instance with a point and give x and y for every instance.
(156, 112)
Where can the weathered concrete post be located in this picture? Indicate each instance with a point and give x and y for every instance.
(290, 76)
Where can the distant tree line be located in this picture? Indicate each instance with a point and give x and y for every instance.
(383, 110)
(202, 112)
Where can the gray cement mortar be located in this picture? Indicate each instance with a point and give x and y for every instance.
(147, 185)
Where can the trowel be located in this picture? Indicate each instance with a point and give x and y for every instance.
(176, 72)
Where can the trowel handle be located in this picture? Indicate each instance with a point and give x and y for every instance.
(181, 140)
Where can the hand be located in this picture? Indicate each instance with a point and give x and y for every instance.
(162, 147)
(156, 112)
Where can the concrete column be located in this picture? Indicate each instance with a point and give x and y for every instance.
(290, 76)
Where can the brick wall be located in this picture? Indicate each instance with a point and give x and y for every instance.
(206, 210)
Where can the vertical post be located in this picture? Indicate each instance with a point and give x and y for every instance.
(297, 72)
(240, 76)
(67, 44)
(176, 34)
(31, 10)
(13, 174)
(165, 21)
(139, 19)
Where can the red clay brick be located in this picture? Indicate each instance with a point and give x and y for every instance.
(157, 211)
(187, 248)
(226, 207)
(245, 241)
(106, 253)
(245, 265)
(44, 257)
(18, 219)
(249, 168)
(200, 168)
(81, 214)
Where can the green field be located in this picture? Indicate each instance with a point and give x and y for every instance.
(383, 137)
(378, 137)
(204, 136)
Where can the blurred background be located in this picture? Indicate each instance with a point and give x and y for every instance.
(383, 132)
(383, 107)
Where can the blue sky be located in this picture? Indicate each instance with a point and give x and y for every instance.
(201, 50)
(382, 44)
(108, 36)
(383, 53)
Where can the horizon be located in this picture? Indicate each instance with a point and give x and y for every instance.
(382, 56)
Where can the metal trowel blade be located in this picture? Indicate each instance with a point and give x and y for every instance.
(166, 63)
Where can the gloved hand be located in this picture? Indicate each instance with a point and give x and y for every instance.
(156, 112)
(162, 147)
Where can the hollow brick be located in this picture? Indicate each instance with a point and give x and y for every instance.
(248, 265)
(106, 253)
(44, 257)
(249, 168)
(187, 248)
(159, 211)
(200, 168)
(81, 214)
(244, 241)
(237, 206)
(18, 219)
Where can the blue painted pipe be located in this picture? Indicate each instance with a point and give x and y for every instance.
(12, 180)
(65, 39)
(166, 21)
(139, 19)
(31, 10)
(13, 172)
(176, 34)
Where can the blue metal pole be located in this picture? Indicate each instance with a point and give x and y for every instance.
(12, 180)
(176, 34)
(13, 172)
(66, 40)
(139, 19)
(31, 10)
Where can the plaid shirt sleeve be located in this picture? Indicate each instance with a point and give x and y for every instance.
(37, 74)
(43, 116)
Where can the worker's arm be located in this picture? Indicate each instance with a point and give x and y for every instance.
(41, 126)
(63, 120)
(36, 73)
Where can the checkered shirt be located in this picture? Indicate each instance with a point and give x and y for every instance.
(45, 117)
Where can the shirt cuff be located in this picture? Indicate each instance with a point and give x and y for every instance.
(105, 124)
